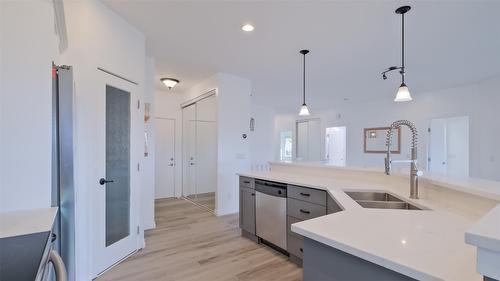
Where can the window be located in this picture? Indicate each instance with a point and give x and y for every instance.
(286, 145)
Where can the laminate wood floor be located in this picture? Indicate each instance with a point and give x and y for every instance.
(191, 244)
(204, 199)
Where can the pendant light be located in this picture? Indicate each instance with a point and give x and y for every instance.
(403, 93)
(304, 110)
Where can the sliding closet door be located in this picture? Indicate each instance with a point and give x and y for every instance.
(189, 150)
(200, 151)
(206, 151)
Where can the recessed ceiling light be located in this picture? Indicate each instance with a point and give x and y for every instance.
(169, 82)
(247, 27)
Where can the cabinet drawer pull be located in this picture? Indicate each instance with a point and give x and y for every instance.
(246, 182)
(305, 194)
(304, 211)
(253, 194)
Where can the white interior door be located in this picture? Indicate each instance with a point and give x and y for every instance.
(165, 158)
(449, 146)
(335, 146)
(308, 140)
(115, 202)
(457, 140)
(314, 143)
(302, 141)
(437, 146)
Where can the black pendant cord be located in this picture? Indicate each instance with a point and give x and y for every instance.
(403, 48)
(304, 81)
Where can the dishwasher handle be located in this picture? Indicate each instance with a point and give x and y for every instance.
(59, 268)
(271, 188)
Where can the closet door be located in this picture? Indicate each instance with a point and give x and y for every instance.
(189, 150)
(206, 151)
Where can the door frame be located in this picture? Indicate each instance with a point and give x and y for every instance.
(174, 156)
(102, 260)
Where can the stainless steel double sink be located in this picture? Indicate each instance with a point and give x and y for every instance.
(380, 200)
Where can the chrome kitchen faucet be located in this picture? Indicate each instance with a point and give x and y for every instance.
(414, 172)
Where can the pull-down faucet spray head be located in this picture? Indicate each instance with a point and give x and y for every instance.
(414, 173)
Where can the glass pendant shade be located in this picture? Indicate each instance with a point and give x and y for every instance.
(169, 82)
(304, 110)
(403, 94)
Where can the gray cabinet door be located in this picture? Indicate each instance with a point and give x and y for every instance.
(247, 209)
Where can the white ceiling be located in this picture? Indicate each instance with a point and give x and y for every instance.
(449, 43)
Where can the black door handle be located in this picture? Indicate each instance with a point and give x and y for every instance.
(304, 211)
(305, 194)
(103, 181)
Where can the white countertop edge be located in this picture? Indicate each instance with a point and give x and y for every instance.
(394, 266)
(22, 222)
(485, 233)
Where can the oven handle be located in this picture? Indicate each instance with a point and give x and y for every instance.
(59, 268)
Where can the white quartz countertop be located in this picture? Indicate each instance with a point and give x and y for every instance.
(422, 244)
(475, 186)
(26, 222)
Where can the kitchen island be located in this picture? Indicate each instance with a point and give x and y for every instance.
(425, 244)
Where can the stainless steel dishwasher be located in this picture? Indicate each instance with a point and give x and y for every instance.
(270, 212)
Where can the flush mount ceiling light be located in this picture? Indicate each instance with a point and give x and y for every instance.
(403, 93)
(304, 110)
(169, 82)
(247, 27)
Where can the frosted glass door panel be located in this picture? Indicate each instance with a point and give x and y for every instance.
(117, 165)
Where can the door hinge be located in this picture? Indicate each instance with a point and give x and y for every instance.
(429, 159)
(138, 104)
(429, 130)
(138, 166)
(138, 229)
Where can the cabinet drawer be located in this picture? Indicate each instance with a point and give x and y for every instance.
(247, 182)
(304, 210)
(289, 222)
(307, 194)
(294, 246)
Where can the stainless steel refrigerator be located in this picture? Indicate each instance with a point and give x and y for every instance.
(63, 191)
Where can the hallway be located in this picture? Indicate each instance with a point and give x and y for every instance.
(190, 243)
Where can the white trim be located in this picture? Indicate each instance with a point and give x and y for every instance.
(198, 98)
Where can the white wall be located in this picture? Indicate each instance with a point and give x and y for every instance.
(28, 45)
(233, 117)
(148, 169)
(97, 38)
(261, 139)
(479, 101)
